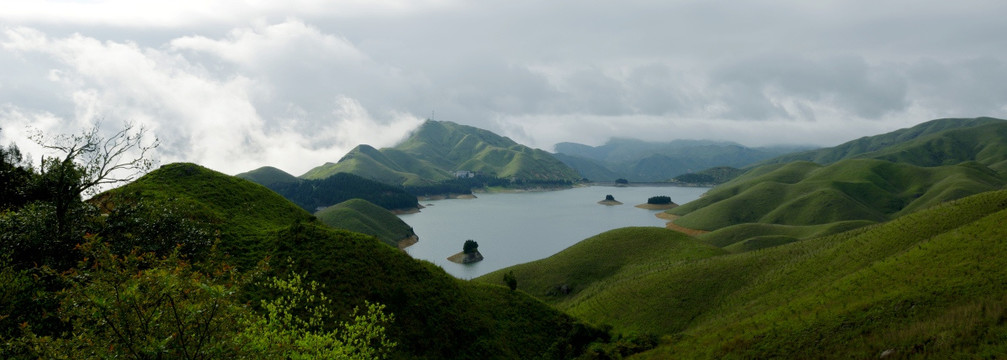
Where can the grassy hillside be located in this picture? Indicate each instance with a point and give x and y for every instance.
(437, 149)
(578, 273)
(809, 194)
(314, 194)
(909, 144)
(926, 283)
(436, 315)
(923, 285)
(268, 175)
(359, 215)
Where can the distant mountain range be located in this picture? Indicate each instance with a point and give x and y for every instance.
(441, 150)
(638, 160)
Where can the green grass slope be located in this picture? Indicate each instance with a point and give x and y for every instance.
(577, 273)
(436, 315)
(805, 193)
(928, 284)
(268, 175)
(437, 149)
(909, 144)
(359, 215)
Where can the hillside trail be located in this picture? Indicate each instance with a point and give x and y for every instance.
(671, 225)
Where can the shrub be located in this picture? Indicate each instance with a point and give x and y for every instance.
(659, 200)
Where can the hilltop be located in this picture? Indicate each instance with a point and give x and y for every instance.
(638, 160)
(436, 315)
(932, 143)
(922, 284)
(359, 215)
(802, 199)
(441, 150)
(313, 195)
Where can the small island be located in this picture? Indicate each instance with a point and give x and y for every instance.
(658, 203)
(609, 201)
(470, 253)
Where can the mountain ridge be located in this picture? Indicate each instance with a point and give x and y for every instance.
(438, 150)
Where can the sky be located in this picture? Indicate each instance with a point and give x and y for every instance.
(236, 85)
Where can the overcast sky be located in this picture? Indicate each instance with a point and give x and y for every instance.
(235, 85)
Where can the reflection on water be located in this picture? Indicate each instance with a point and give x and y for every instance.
(514, 228)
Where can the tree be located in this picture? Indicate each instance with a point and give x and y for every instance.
(621, 181)
(143, 306)
(609, 198)
(659, 200)
(96, 160)
(88, 162)
(470, 246)
(510, 280)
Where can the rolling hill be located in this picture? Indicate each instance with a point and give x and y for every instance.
(313, 195)
(359, 215)
(436, 315)
(638, 160)
(923, 285)
(838, 196)
(439, 149)
(267, 176)
(933, 143)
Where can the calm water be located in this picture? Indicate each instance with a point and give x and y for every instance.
(514, 228)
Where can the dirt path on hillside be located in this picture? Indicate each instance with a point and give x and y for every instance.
(671, 225)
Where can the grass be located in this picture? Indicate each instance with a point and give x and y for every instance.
(361, 216)
(925, 284)
(436, 315)
(805, 193)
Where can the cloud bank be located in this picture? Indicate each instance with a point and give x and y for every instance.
(239, 85)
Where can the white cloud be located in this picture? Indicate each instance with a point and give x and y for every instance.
(201, 116)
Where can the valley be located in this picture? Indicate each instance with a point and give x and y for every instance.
(889, 244)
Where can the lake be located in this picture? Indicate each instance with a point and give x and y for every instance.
(518, 227)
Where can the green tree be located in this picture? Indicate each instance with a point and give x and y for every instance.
(143, 306)
(470, 246)
(297, 325)
(510, 280)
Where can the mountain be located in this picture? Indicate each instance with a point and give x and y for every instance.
(435, 315)
(268, 175)
(806, 194)
(638, 160)
(359, 215)
(312, 195)
(439, 149)
(922, 285)
(936, 142)
(711, 176)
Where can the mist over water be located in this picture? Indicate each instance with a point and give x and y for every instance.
(514, 228)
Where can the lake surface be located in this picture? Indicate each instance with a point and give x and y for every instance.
(515, 228)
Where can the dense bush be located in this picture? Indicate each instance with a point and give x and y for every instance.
(659, 200)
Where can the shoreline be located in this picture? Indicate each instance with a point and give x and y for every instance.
(657, 206)
(671, 225)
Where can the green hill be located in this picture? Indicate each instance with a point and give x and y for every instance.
(359, 215)
(925, 284)
(638, 160)
(936, 142)
(854, 191)
(436, 315)
(312, 195)
(268, 175)
(711, 176)
(437, 149)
